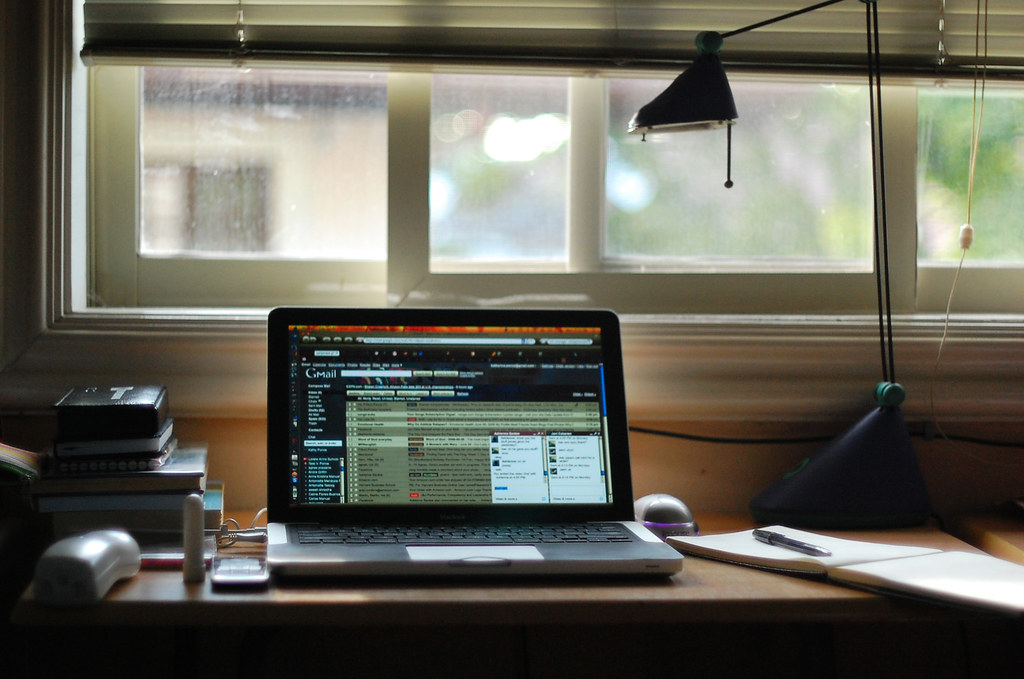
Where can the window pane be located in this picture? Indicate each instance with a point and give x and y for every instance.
(997, 204)
(264, 163)
(801, 163)
(497, 170)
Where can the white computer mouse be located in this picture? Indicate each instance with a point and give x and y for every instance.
(79, 570)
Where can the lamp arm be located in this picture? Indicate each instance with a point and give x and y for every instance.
(782, 17)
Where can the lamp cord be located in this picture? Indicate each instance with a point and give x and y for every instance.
(728, 157)
(880, 217)
(878, 165)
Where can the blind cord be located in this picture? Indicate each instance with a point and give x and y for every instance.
(967, 230)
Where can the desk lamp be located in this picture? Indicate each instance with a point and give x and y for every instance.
(868, 476)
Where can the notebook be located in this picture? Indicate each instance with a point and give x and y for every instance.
(456, 442)
(959, 578)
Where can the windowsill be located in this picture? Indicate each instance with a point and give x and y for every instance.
(678, 367)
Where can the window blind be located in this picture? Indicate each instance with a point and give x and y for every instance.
(574, 33)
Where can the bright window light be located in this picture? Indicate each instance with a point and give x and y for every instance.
(801, 165)
(997, 209)
(498, 171)
(264, 163)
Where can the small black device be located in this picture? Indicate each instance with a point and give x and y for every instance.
(90, 413)
(239, 572)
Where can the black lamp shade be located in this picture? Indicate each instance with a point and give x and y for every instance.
(700, 98)
(866, 478)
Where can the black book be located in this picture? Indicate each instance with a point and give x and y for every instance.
(136, 446)
(91, 413)
(114, 462)
(183, 470)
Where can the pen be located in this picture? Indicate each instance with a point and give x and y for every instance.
(773, 538)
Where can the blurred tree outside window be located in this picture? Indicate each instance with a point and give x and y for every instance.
(801, 166)
(498, 168)
(997, 209)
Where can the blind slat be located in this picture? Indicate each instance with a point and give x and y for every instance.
(609, 33)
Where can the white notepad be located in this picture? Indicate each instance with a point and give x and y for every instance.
(953, 577)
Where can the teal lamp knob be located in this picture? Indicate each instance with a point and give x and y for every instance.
(890, 394)
(709, 42)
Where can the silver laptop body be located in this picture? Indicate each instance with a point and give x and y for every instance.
(457, 442)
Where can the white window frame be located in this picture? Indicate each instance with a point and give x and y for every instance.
(795, 366)
(161, 281)
(124, 278)
(131, 280)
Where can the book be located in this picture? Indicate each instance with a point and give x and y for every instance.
(20, 464)
(959, 578)
(122, 502)
(165, 524)
(91, 413)
(108, 464)
(184, 469)
(135, 446)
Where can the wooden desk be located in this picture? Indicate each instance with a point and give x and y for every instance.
(714, 605)
(706, 591)
(997, 533)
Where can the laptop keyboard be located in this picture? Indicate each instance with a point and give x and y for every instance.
(434, 535)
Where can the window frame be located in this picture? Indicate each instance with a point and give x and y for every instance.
(584, 281)
(121, 277)
(682, 367)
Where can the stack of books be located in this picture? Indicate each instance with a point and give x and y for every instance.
(116, 463)
(103, 425)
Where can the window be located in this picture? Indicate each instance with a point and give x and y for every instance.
(802, 194)
(485, 166)
(803, 202)
(494, 141)
(130, 305)
(257, 187)
(263, 187)
(273, 184)
(204, 208)
(278, 163)
(993, 274)
(997, 210)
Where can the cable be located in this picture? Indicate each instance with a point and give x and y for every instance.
(728, 440)
(984, 442)
(880, 212)
(228, 535)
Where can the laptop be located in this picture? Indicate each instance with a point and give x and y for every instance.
(450, 442)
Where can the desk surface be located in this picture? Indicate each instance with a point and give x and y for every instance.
(999, 533)
(705, 591)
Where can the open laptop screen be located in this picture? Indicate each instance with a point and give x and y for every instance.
(382, 414)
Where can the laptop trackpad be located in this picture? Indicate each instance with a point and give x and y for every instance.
(475, 555)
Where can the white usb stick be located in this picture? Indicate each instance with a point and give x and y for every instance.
(194, 564)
